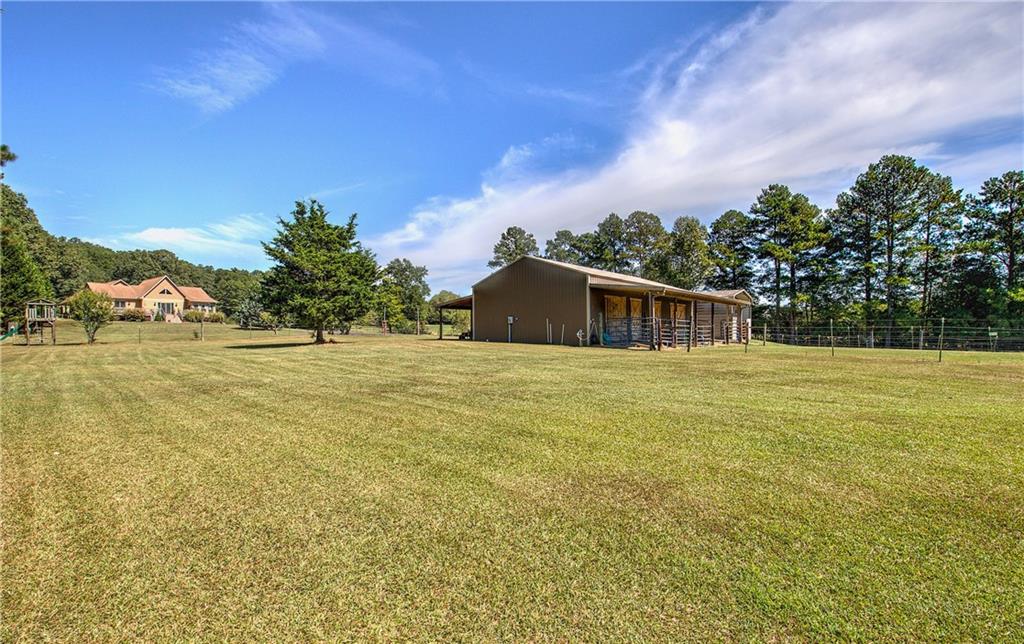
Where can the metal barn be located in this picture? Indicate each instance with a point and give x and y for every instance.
(539, 300)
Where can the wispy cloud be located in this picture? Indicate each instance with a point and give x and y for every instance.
(255, 53)
(802, 94)
(235, 239)
(525, 161)
(336, 190)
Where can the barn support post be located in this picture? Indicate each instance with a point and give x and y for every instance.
(692, 339)
(675, 329)
(629, 320)
(440, 324)
(654, 321)
(712, 324)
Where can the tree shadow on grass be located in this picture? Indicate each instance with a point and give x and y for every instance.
(279, 345)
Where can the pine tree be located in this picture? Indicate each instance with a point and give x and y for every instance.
(513, 244)
(943, 209)
(997, 225)
(731, 251)
(770, 214)
(564, 247)
(685, 262)
(644, 240)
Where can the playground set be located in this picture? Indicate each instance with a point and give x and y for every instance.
(39, 315)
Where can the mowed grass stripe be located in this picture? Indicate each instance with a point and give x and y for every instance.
(399, 488)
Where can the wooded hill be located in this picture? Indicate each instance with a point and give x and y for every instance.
(67, 263)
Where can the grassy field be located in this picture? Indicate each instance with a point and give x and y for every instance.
(71, 332)
(386, 488)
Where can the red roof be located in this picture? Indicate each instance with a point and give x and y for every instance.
(196, 294)
(121, 290)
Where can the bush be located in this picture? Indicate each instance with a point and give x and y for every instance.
(159, 317)
(216, 317)
(133, 315)
(193, 315)
(93, 310)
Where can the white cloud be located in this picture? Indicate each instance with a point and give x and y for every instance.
(255, 54)
(802, 94)
(236, 239)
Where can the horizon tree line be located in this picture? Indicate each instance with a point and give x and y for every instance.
(902, 243)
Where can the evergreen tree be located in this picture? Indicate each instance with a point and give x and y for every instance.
(940, 221)
(322, 276)
(513, 244)
(997, 226)
(644, 241)
(685, 262)
(804, 238)
(564, 247)
(731, 251)
(770, 215)
(608, 245)
(894, 189)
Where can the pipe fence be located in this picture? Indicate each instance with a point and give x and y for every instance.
(950, 335)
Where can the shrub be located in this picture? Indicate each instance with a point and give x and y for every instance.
(133, 315)
(93, 310)
(193, 315)
(216, 317)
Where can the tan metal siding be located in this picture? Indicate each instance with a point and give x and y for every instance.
(531, 291)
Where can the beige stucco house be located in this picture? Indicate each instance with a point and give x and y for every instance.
(157, 294)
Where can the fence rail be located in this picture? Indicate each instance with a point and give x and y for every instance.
(923, 335)
(623, 332)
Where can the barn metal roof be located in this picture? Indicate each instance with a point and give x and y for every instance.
(609, 279)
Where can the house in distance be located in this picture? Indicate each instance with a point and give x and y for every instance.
(155, 295)
(539, 300)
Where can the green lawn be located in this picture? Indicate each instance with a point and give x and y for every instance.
(71, 332)
(399, 487)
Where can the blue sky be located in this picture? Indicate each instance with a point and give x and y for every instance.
(192, 126)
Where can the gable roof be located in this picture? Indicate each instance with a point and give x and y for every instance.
(734, 292)
(118, 289)
(121, 290)
(599, 277)
(145, 287)
(196, 294)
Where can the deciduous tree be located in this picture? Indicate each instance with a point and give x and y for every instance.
(20, 279)
(93, 310)
(411, 282)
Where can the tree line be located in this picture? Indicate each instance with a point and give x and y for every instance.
(902, 243)
(322, 277)
(57, 267)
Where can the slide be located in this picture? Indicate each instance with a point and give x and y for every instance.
(12, 331)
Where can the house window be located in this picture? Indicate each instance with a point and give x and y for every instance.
(119, 304)
(165, 292)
